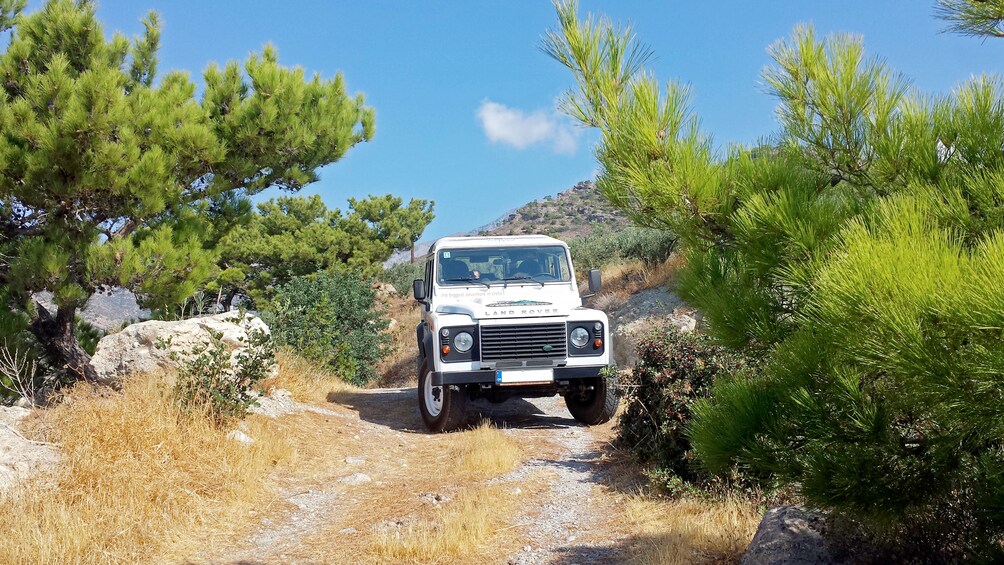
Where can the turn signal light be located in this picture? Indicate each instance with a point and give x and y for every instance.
(598, 343)
(446, 350)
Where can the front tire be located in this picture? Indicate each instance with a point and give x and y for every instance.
(596, 403)
(443, 408)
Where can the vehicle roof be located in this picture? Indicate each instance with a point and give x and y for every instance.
(494, 241)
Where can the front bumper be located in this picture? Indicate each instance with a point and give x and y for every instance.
(488, 376)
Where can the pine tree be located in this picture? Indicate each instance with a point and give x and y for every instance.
(107, 172)
(860, 253)
(296, 236)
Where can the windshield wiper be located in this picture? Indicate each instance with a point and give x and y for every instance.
(523, 278)
(469, 279)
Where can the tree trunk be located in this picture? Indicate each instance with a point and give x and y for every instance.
(59, 340)
(228, 300)
(412, 253)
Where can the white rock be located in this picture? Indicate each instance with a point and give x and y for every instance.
(355, 460)
(240, 437)
(20, 458)
(134, 349)
(356, 479)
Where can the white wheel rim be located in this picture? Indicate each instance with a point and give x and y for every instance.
(432, 404)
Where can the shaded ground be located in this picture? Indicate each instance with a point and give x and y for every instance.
(366, 470)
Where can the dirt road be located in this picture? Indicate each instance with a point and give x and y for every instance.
(370, 485)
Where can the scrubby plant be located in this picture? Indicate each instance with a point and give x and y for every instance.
(402, 275)
(331, 317)
(602, 248)
(209, 381)
(674, 370)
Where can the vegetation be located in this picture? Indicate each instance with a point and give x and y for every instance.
(603, 247)
(673, 371)
(400, 276)
(137, 476)
(210, 382)
(331, 317)
(296, 236)
(110, 177)
(860, 255)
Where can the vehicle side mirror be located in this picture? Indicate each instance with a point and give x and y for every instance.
(595, 284)
(418, 288)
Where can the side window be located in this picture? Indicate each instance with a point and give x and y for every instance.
(428, 277)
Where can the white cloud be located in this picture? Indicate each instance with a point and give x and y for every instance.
(520, 129)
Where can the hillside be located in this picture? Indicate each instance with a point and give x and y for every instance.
(572, 213)
(575, 212)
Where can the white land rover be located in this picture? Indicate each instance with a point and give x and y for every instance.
(502, 317)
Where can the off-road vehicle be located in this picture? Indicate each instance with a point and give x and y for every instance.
(502, 317)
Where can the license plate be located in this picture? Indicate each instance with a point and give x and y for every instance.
(525, 376)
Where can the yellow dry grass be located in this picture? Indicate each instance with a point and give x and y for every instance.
(306, 380)
(688, 530)
(467, 527)
(137, 475)
(459, 533)
(486, 452)
(398, 367)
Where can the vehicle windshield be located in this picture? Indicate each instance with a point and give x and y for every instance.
(490, 265)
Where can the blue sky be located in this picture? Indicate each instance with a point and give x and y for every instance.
(465, 101)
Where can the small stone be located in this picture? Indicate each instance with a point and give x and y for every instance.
(517, 490)
(355, 460)
(23, 403)
(527, 548)
(356, 479)
(240, 437)
(348, 531)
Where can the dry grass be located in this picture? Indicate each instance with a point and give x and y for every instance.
(307, 380)
(465, 528)
(398, 368)
(486, 452)
(687, 530)
(469, 525)
(136, 478)
(628, 278)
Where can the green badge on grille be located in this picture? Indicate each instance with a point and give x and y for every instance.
(548, 348)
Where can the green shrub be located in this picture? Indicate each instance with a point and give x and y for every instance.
(208, 380)
(331, 317)
(635, 243)
(401, 277)
(673, 370)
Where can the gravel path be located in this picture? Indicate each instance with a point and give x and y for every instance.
(375, 439)
(571, 522)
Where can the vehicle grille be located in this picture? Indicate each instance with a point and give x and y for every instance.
(523, 342)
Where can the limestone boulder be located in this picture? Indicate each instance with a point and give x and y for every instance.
(147, 347)
(790, 535)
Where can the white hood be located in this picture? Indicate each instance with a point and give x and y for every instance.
(516, 301)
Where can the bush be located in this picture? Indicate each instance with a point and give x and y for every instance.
(674, 369)
(635, 243)
(208, 380)
(331, 317)
(401, 277)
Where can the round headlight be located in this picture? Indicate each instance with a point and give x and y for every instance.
(579, 337)
(463, 342)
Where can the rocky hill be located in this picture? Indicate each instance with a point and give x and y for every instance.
(575, 212)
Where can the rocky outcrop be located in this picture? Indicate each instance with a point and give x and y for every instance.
(146, 347)
(790, 535)
(21, 458)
